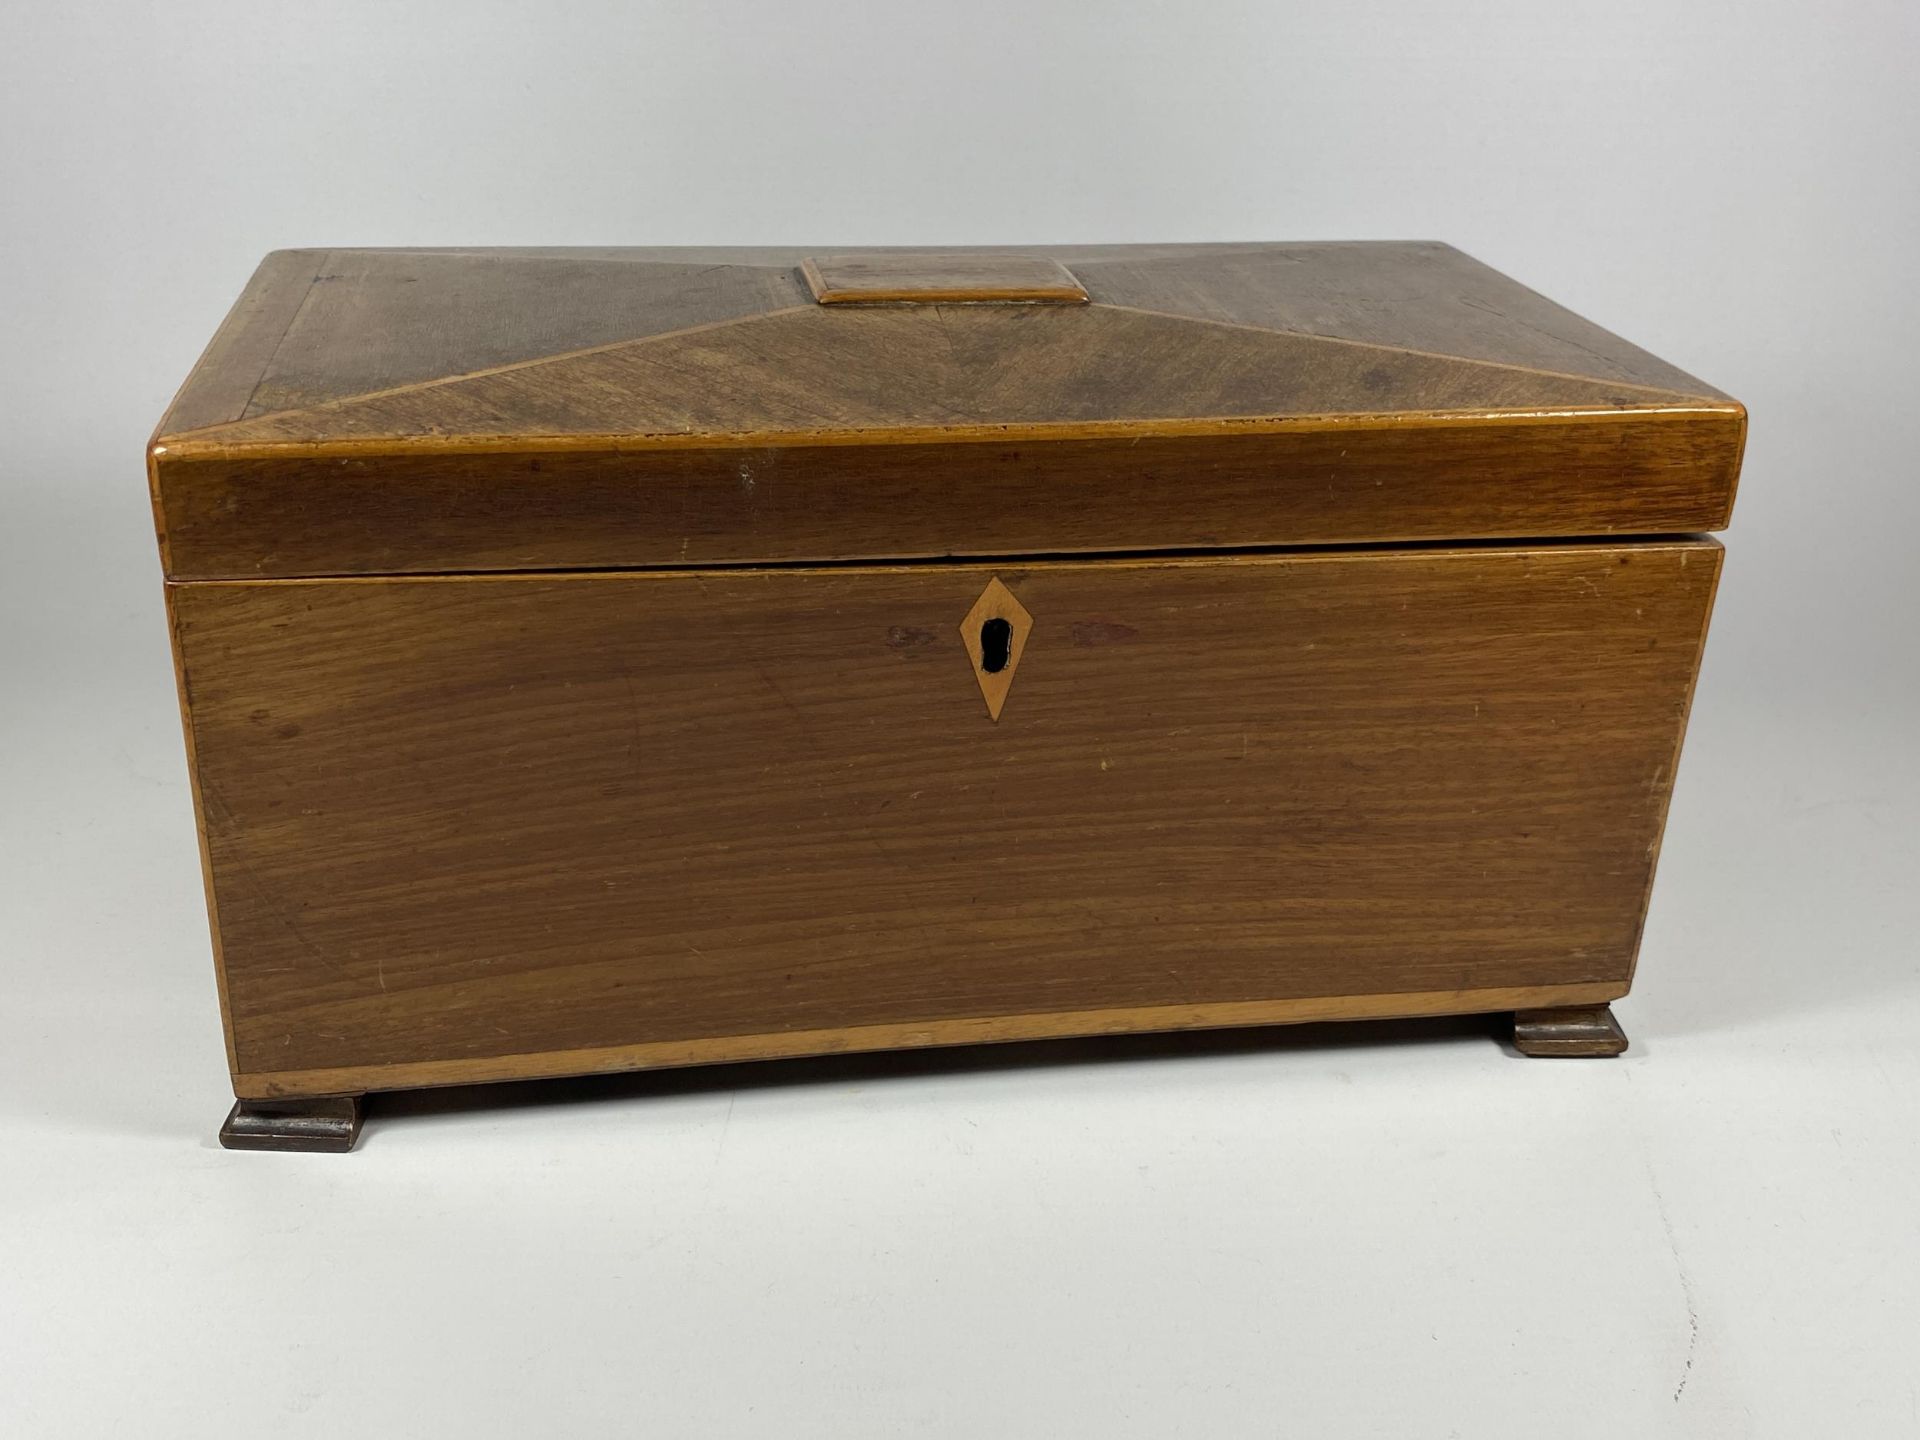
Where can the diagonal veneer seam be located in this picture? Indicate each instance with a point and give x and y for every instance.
(209, 432)
(1506, 365)
(326, 263)
(438, 382)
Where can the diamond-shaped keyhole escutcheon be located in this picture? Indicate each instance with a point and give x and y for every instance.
(995, 632)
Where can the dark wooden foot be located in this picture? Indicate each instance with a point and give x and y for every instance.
(330, 1122)
(1577, 1030)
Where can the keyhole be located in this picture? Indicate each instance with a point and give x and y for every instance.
(996, 645)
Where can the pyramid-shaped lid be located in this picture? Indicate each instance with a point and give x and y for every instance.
(686, 370)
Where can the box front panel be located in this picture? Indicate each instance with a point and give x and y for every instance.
(469, 819)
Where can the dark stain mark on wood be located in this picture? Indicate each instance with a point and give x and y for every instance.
(1100, 632)
(908, 637)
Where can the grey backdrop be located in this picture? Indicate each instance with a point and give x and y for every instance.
(1324, 1234)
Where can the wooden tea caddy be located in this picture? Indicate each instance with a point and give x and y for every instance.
(594, 660)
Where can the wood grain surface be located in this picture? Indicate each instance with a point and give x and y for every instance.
(470, 828)
(369, 411)
(434, 510)
(322, 328)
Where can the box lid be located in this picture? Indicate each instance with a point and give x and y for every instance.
(411, 411)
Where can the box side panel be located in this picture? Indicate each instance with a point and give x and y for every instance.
(200, 823)
(1715, 560)
(460, 825)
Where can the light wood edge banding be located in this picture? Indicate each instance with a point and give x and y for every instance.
(191, 446)
(669, 1054)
